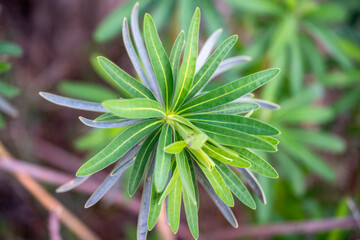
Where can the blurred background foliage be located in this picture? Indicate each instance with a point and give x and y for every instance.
(315, 43)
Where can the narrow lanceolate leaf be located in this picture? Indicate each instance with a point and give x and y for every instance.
(258, 164)
(229, 108)
(230, 63)
(202, 77)
(114, 124)
(71, 184)
(207, 48)
(124, 80)
(108, 117)
(235, 184)
(163, 159)
(73, 103)
(230, 91)
(219, 185)
(7, 108)
(230, 137)
(118, 147)
(191, 212)
(155, 208)
(142, 50)
(132, 55)
(226, 157)
(182, 164)
(174, 204)
(187, 69)
(176, 54)
(224, 209)
(129, 156)
(262, 103)
(253, 183)
(159, 60)
(141, 161)
(106, 185)
(142, 226)
(175, 147)
(170, 186)
(239, 123)
(135, 108)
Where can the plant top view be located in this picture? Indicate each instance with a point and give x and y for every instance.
(174, 133)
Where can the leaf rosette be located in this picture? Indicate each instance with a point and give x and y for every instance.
(174, 132)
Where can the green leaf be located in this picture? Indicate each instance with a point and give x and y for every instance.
(229, 108)
(118, 147)
(175, 206)
(224, 209)
(135, 108)
(256, 6)
(141, 160)
(155, 208)
(331, 42)
(175, 147)
(219, 185)
(319, 139)
(124, 80)
(258, 164)
(9, 48)
(202, 158)
(86, 91)
(170, 186)
(296, 65)
(159, 60)
(108, 117)
(235, 185)
(7, 90)
(176, 53)
(309, 159)
(271, 140)
(191, 211)
(204, 74)
(193, 139)
(239, 123)
(230, 137)
(187, 69)
(109, 28)
(230, 91)
(182, 163)
(226, 157)
(4, 67)
(142, 226)
(163, 159)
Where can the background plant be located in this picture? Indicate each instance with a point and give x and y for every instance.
(6, 90)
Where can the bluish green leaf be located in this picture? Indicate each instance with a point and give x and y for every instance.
(73, 103)
(118, 147)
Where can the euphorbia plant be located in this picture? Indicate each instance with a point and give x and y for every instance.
(174, 132)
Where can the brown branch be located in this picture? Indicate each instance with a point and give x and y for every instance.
(50, 203)
(57, 178)
(283, 229)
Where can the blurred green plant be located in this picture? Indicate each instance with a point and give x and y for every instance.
(173, 133)
(6, 90)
